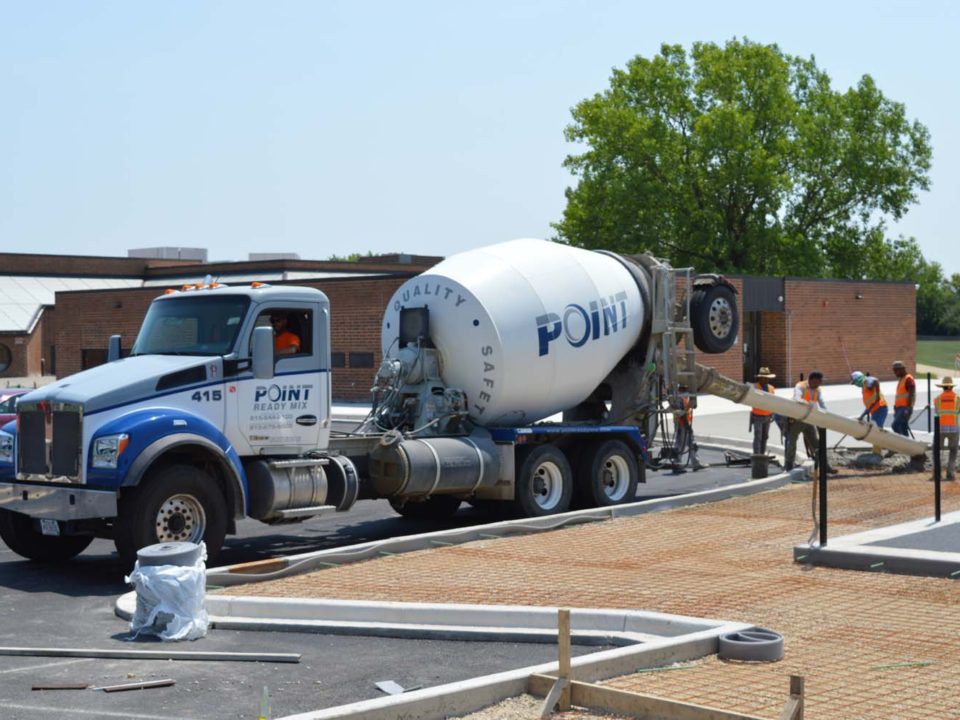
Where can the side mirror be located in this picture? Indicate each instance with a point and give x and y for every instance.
(113, 348)
(263, 353)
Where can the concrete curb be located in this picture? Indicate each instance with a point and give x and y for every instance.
(854, 552)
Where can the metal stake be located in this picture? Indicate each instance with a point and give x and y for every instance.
(822, 462)
(936, 467)
(929, 401)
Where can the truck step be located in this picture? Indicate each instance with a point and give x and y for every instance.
(305, 511)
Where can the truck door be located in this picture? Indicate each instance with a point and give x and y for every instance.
(288, 414)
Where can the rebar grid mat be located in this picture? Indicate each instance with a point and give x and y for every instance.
(870, 645)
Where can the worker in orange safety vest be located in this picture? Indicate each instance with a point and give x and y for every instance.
(684, 441)
(807, 391)
(945, 407)
(760, 420)
(875, 405)
(905, 399)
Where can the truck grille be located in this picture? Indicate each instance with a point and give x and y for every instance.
(49, 440)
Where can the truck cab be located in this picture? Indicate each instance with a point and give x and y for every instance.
(157, 445)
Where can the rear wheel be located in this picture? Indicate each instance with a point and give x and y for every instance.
(607, 474)
(24, 539)
(177, 503)
(437, 507)
(544, 481)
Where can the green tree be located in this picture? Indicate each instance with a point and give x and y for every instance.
(741, 158)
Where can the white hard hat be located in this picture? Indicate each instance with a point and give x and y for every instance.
(856, 376)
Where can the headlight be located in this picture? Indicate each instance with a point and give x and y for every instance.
(108, 449)
(6, 448)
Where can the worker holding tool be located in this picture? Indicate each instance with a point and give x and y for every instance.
(946, 408)
(904, 402)
(875, 405)
(685, 441)
(807, 391)
(760, 419)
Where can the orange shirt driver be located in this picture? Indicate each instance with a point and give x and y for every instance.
(284, 341)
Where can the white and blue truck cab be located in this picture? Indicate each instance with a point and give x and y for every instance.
(210, 419)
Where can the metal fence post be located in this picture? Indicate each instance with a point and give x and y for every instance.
(822, 462)
(929, 402)
(936, 467)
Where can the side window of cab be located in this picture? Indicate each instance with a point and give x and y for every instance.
(292, 331)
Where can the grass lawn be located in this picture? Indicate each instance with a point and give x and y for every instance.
(939, 353)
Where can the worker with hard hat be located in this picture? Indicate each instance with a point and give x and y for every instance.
(875, 405)
(945, 407)
(807, 391)
(905, 399)
(760, 419)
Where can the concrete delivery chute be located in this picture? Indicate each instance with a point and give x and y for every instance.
(205, 423)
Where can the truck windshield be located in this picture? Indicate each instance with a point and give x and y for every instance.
(191, 326)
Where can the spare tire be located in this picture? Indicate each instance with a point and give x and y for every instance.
(714, 318)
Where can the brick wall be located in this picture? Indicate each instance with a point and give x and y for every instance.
(773, 346)
(829, 323)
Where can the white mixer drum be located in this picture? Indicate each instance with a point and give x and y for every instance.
(525, 328)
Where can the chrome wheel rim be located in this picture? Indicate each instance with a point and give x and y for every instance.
(720, 317)
(615, 477)
(181, 519)
(547, 485)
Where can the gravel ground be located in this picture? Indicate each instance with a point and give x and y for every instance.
(527, 707)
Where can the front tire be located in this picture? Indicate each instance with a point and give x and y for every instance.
(607, 475)
(544, 481)
(25, 540)
(177, 503)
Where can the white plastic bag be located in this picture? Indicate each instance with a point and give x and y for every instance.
(170, 600)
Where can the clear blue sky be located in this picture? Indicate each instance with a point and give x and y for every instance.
(335, 127)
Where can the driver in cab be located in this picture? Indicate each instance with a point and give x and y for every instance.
(285, 342)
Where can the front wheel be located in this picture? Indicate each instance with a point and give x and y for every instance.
(607, 474)
(177, 503)
(25, 540)
(544, 481)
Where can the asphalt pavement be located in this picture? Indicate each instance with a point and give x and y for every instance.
(71, 606)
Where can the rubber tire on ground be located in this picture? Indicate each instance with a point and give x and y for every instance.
(437, 507)
(135, 527)
(588, 485)
(24, 539)
(703, 335)
(529, 462)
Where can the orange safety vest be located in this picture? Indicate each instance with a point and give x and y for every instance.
(903, 395)
(757, 411)
(809, 395)
(873, 398)
(285, 340)
(946, 408)
(687, 417)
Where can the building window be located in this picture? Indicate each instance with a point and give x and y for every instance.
(92, 357)
(361, 360)
(338, 360)
(5, 357)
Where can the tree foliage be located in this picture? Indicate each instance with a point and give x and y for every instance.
(744, 159)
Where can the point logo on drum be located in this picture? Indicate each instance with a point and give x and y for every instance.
(580, 325)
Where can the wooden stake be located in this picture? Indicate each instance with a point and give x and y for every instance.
(793, 710)
(563, 646)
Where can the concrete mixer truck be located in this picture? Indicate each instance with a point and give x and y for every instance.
(204, 423)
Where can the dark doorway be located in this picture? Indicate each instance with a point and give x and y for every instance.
(752, 351)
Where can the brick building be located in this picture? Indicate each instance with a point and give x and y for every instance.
(58, 312)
